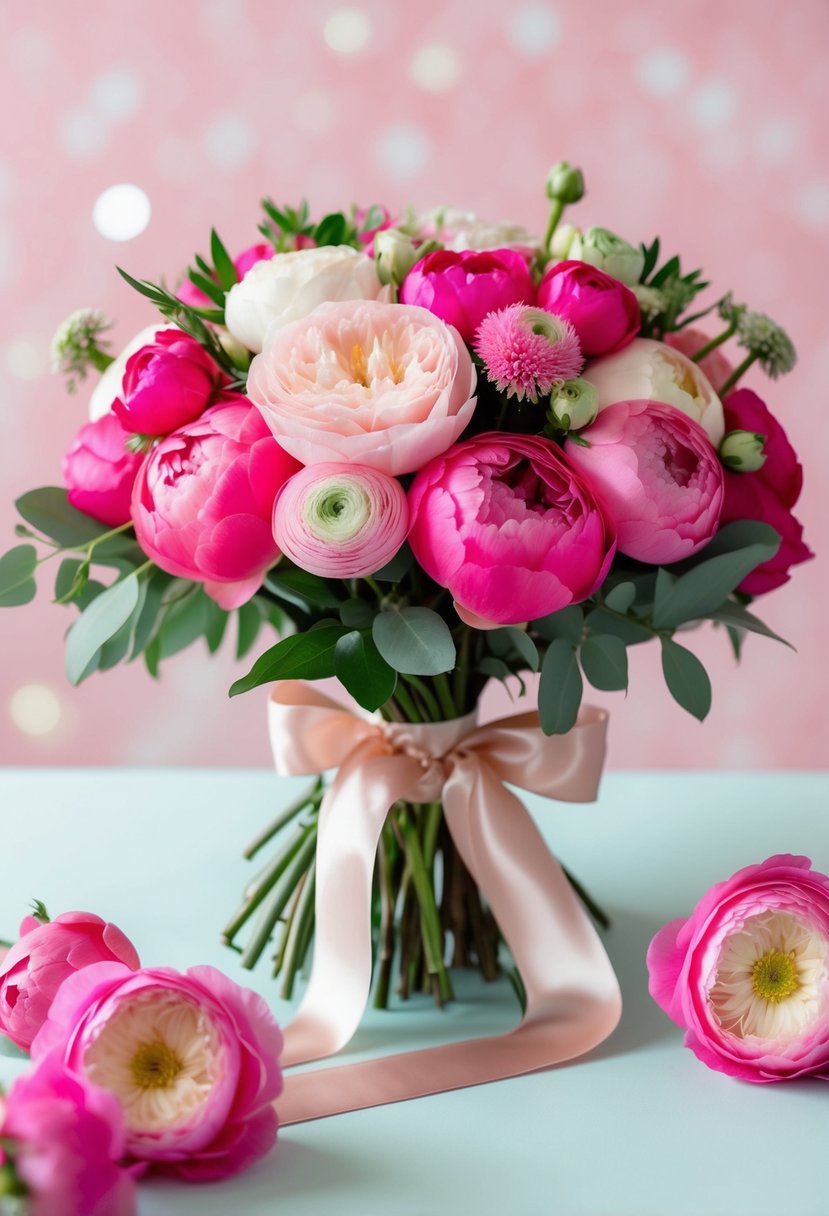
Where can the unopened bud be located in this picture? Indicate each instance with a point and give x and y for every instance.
(564, 183)
(743, 451)
(573, 405)
(610, 253)
(395, 254)
(563, 240)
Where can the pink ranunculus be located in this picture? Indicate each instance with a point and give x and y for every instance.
(190, 294)
(45, 954)
(509, 527)
(65, 1137)
(166, 384)
(715, 366)
(603, 312)
(747, 973)
(99, 471)
(341, 521)
(192, 1057)
(203, 501)
(658, 476)
(461, 288)
(769, 494)
(362, 382)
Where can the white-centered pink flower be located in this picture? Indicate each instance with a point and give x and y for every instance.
(525, 350)
(384, 385)
(341, 521)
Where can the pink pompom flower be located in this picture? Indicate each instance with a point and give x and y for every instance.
(603, 312)
(166, 384)
(99, 471)
(509, 527)
(64, 1139)
(42, 958)
(658, 476)
(747, 973)
(367, 383)
(341, 521)
(193, 1059)
(461, 288)
(203, 501)
(527, 350)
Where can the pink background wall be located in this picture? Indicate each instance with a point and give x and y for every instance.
(704, 122)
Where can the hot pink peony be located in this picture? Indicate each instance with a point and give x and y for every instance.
(45, 954)
(190, 294)
(657, 475)
(65, 1138)
(603, 312)
(747, 973)
(99, 471)
(193, 1059)
(166, 384)
(341, 521)
(461, 288)
(509, 527)
(527, 350)
(203, 501)
(769, 494)
(362, 382)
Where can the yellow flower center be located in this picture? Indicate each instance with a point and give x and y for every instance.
(774, 976)
(155, 1066)
(359, 365)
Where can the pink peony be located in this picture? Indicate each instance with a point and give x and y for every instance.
(190, 294)
(203, 501)
(509, 527)
(747, 973)
(65, 1137)
(45, 954)
(527, 350)
(768, 494)
(341, 521)
(603, 312)
(362, 382)
(193, 1059)
(166, 384)
(99, 471)
(461, 288)
(658, 476)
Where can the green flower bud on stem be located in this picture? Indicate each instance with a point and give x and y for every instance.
(564, 185)
(395, 253)
(743, 451)
(573, 405)
(610, 253)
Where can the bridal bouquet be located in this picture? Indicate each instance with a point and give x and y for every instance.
(426, 453)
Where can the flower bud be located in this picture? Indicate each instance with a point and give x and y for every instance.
(608, 252)
(563, 239)
(395, 254)
(743, 451)
(573, 405)
(564, 183)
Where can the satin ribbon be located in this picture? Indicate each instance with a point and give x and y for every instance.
(573, 998)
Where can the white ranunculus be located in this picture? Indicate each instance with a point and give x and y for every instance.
(291, 285)
(109, 386)
(608, 252)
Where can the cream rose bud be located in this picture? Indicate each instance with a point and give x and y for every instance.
(648, 370)
(109, 386)
(395, 254)
(291, 285)
(610, 253)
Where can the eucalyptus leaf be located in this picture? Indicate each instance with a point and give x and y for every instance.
(303, 656)
(17, 584)
(216, 624)
(298, 587)
(10, 1050)
(687, 679)
(631, 632)
(567, 623)
(72, 578)
(415, 641)
(394, 570)
(621, 597)
(502, 641)
(560, 688)
(707, 586)
(357, 614)
(50, 512)
(119, 645)
(98, 623)
(145, 625)
(495, 669)
(362, 670)
(604, 661)
(248, 622)
(735, 616)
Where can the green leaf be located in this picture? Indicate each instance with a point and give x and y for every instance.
(303, 656)
(184, 621)
(363, 671)
(415, 641)
(707, 586)
(120, 644)
(621, 597)
(738, 535)
(509, 638)
(560, 688)
(49, 510)
(209, 286)
(333, 229)
(632, 632)
(496, 669)
(298, 587)
(223, 262)
(566, 623)
(10, 1050)
(735, 616)
(604, 661)
(248, 622)
(215, 625)
(97, 624)
(145, 625)
(72, 578)
(686, 678)
(17, 567)
(357, 614)
(397, 568)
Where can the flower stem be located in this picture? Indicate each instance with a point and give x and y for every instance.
(445, 696)
(311, 797)
(404, 700)
(556, 212)
(430, 928)
(433, 713)
(714, 343)
(738, 372)
(387, 932)
(301, 921)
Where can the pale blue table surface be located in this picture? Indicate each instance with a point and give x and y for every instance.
(637, 1128)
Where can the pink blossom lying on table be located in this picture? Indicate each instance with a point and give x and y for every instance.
(45, 954)
(461, 288)
(657, 475)
(193, 1058)
(363, 382)
(603, 312)
(99, 471)
(64, 1139)
(166, 384)
(747, 973)
(203, 501)
(509, 527)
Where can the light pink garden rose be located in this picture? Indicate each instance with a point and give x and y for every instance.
(190, 294)
(65, 1140)
(747, 973)
(193, 1058)
(461, 288)
(603, 312)
(341, 521)
(658, 476)
(509, 527)
(203, 501)
(99, 471)
(45, 954)
(361, 382)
